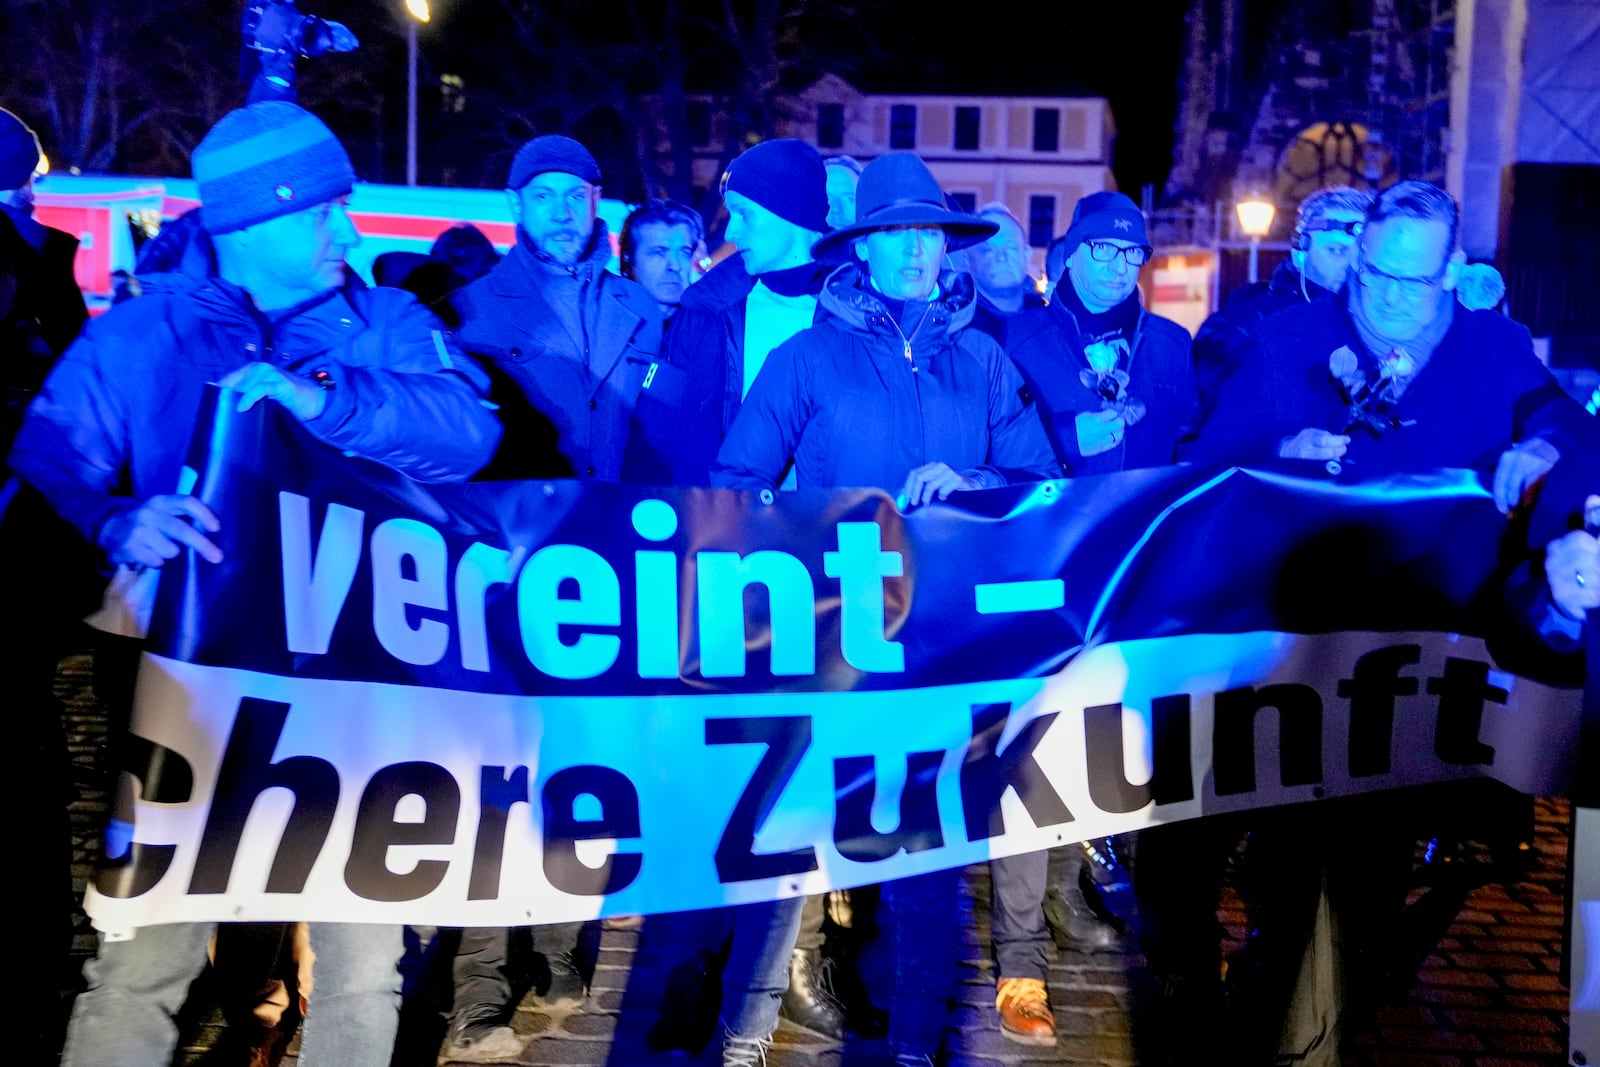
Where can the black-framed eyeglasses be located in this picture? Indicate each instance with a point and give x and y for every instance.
(1412, 288)
(1132, 255)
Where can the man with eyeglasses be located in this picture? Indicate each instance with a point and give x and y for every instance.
(1116, 390)
(1395, 374)
(1320, 256)
(1392, 375)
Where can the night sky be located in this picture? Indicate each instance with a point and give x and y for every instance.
(1130, 52)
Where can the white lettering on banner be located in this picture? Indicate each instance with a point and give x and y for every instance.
(317, 583)
(287, 797)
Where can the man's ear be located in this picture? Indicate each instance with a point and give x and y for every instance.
(1298, 258)
(1452, 272)
(514, 198)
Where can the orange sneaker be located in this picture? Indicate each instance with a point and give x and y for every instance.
(1024, 1007)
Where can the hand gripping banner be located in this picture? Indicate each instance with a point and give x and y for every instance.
(500, 704)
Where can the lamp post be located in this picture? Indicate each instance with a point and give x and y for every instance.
(418, 10)
(1255, 219)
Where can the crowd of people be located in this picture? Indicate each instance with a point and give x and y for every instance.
(863, 332)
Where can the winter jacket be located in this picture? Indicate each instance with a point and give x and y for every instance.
(1047, 347)
(567, 399)
(704, 348)
(1225, 338)
(857, 402)
(111, 426)
(41, 311)
(1481, 390)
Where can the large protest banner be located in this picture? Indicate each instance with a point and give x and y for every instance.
(499, 704)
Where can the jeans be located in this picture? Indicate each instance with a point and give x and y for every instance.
(757, 972)
(126, 1016)
(1016, 918)
(924, 926)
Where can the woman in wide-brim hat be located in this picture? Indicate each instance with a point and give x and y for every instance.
(896, 191)
(890, 388)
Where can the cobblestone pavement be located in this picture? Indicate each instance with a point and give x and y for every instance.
(1488, 995)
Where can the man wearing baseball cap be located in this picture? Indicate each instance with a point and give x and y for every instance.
(105, 441)
(891, 388)
(568, 344)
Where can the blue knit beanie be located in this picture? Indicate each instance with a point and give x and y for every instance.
(552, 152)
(267, 160)
(786, 177)
(19, 151)
(1104, 215)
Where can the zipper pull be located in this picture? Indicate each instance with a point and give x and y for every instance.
(908, 356)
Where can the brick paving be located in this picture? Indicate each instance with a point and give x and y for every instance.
(1487, 995)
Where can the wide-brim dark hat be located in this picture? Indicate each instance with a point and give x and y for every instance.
(898, 190)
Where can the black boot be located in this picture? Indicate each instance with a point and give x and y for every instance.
(689, 1006)
(843, 981)
(807, 1003)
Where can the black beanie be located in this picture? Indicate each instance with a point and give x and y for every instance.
(787, 178)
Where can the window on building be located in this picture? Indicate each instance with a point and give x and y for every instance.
(903, 126)
(966, 137)
(1046, 129)
(967, 202)
(1041, 221)
(697, 116)
(830, 125)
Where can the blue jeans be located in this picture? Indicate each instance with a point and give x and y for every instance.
(126, 1016)
(1016, 918)
(757, 972)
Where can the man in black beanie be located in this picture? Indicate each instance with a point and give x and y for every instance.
(749, 304)
(568, 344)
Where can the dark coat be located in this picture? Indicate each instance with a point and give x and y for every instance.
(844, 400)
(567, 402)
(41, 311)
(111, 426)
(994, 322)
(1225, 337)
(1481, 390)
(704, 346)
(1047, 347)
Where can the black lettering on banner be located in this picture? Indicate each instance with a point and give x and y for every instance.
(787, 738)
(619, 819)
(1461, 692)
(1233, 745)
(367, 871)
(1173, 778)
(246, 773)
(497, 791)
(855, 786)
(170, 780)
(1109, 787)
(986, 774)
(1371, 690)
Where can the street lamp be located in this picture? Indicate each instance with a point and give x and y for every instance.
(418, 10)
(1255, 219)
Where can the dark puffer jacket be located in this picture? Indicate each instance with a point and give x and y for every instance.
(857, 402)
(111, 426)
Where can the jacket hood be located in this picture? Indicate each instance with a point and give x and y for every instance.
(848, 296)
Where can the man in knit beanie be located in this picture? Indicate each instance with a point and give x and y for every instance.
(1116, 390)
(749, 304)
(366, 371)
(729, 322)
(568, 344)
